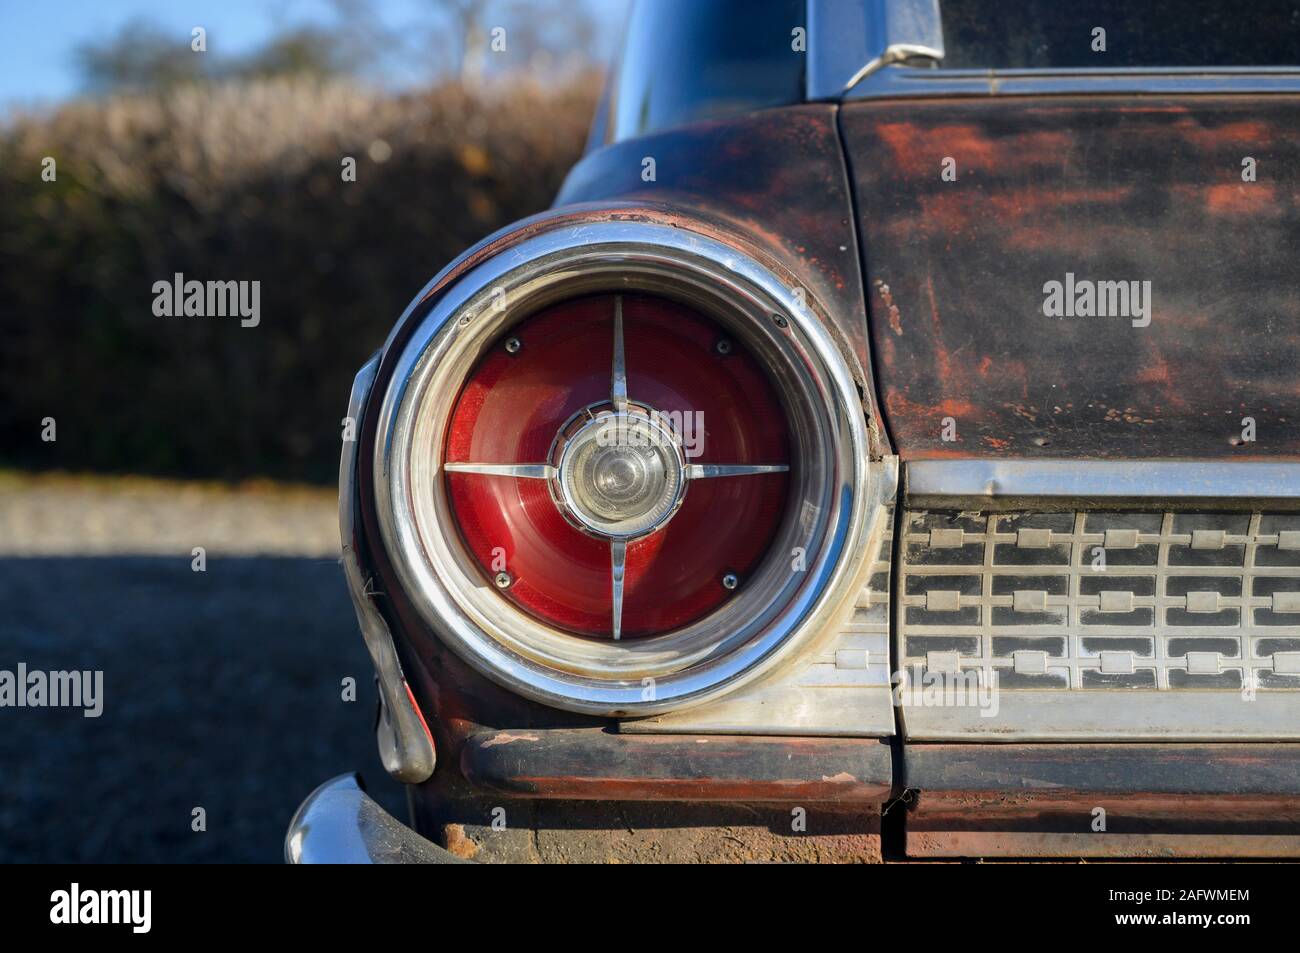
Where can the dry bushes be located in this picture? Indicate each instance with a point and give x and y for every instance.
(242, 182)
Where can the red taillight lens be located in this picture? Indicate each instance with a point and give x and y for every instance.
(546, 377)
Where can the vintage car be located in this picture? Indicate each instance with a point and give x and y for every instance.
(888, 446)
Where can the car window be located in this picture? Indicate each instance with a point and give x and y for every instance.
(686, 60)
(1052, 34)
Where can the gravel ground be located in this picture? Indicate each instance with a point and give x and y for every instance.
(222, 689)
(61, 516)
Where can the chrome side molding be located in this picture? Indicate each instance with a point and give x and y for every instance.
(405, 745)
(902, 82)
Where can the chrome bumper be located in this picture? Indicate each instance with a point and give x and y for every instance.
(340, 824)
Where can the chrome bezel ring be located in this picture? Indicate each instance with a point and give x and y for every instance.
(812, 570)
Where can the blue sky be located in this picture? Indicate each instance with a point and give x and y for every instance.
(38, 38)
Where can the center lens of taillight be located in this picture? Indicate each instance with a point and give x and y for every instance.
(620, 474)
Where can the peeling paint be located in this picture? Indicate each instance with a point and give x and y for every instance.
(505, 738)
(891, 309)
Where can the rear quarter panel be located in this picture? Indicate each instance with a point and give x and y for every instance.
(1106, 188)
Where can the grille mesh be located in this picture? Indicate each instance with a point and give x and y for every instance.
(1104, 600)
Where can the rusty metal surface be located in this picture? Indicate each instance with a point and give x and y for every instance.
(495, 827)
(1015, 822)
(603, 765)
(1123, 800)
(1212, 770)
(1108, 189)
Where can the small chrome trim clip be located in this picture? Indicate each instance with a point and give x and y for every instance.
(897, 53)
(848, 40)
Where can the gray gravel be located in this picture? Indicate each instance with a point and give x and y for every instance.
(133, 516)
(221, 688)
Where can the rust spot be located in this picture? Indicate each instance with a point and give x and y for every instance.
(1241, 198)
(842, 778)
(940, 352)
(1128, 415)
(1157, 372)
(900, 404)
(458, 842)
(895, 316)
(920, 149)
(1244, 134)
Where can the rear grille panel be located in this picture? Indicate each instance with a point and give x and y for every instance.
(1091, 600)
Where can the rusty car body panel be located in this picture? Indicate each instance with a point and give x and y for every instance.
(1097, 800)
(1119, 187)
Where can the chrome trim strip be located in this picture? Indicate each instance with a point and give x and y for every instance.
(617, 566)
(1189, 480)
(405, 747)
(339, 823)
(905, 82)
(618, 373)
(709, 471)
(520, 471)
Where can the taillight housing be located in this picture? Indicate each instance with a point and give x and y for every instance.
(622, 469)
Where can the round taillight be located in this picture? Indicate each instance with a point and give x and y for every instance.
(617, 465)
(623, 468)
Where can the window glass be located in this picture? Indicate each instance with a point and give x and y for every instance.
(686, 60)
(1056, 34)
